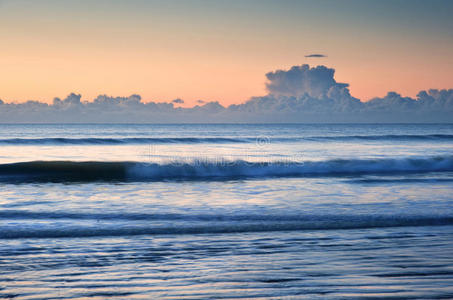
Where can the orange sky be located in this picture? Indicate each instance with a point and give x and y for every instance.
(215, 51)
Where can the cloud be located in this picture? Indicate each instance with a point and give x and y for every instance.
(300, 80)
(315, 55)
(70, 101)
(300, 94)
(178, 101)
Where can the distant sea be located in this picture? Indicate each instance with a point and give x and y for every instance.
(297, 211)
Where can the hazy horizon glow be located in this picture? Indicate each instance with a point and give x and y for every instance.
(218, 51)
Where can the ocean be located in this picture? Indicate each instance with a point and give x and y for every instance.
(222, 211)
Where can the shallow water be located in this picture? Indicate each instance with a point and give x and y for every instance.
(226, 211)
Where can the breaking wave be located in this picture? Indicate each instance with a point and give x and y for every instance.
(67, 171)
(169, 224)
(387, 137)
(217, 140)
(119, 141)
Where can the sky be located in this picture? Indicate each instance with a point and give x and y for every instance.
(219, 50)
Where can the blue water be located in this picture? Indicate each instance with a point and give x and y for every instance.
(226, 211)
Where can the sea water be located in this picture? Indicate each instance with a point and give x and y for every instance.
(325, 211)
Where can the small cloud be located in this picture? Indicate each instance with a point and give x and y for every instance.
(178, 101)
(200, 102)
(315, 55)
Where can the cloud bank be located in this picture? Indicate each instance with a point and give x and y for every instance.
(301, 95)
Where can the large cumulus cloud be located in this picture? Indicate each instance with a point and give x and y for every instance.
(300, 94)
(303, 80)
